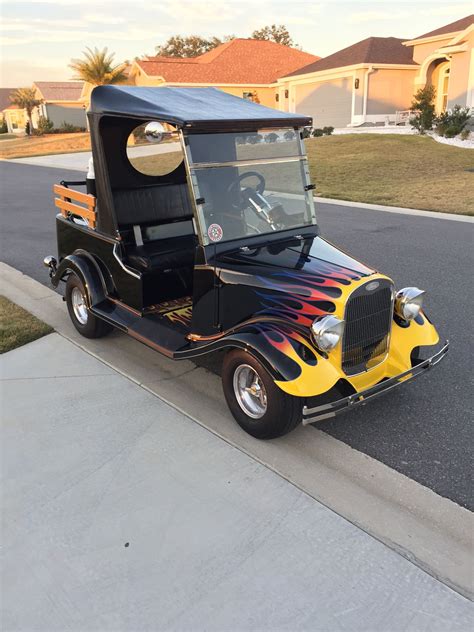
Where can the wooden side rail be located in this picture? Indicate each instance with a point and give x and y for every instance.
(67, 207)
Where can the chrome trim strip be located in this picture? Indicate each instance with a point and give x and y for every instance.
(327, 411)
(122, 265)
(245, 163)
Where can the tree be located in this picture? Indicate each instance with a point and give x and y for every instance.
(423, 108)
(189, 46)
(274, 33)
(25, 98)
(97, 67)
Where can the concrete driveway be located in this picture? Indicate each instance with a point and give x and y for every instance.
(120, 513)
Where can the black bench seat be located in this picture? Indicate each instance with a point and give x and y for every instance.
(163, 254)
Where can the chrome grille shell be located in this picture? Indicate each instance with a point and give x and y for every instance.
(368, 316)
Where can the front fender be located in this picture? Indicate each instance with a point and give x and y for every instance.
(87, 270)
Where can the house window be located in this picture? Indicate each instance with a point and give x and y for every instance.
(248, 96)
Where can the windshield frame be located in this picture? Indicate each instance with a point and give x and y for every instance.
(198, 201)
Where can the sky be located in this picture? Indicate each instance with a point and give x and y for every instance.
(39, 38)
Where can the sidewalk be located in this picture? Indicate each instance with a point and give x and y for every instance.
(120, 513)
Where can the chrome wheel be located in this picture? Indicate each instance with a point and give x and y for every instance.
(250, 391)
(79, 305)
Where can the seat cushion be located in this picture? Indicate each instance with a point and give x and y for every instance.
(163, 254)
(156, 204)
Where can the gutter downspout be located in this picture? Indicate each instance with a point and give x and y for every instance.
(370, 70)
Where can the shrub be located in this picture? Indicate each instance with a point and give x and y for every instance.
(45, 126)
(241, 140)
(289, 135)
(69, 128)
(3, 127)
(465, 134)
(254, 139)
(27, 128)
(423, 108)
(271, 138)
(306, 133)
(452, 122)
(327, 131)
(318, 132)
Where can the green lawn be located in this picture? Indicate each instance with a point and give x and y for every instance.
(408, 171)
(394, 170)
(17, 326)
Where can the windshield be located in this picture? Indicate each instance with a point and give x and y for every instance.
(249, 183)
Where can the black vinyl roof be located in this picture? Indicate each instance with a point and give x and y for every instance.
(195, 108)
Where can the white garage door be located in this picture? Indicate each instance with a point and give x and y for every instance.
(328, 102)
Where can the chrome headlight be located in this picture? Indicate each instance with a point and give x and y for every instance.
(327, 331)
(408, 302)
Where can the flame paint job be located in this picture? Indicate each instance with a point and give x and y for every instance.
(296, 282)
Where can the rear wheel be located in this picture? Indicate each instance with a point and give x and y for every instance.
(258, 405)
(86, 323)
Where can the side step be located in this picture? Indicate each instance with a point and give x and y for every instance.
(150, 329)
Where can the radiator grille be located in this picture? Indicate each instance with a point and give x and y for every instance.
(368, 322)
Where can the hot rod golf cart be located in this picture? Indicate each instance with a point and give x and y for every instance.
(199, 234)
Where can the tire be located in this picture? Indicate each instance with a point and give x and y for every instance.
(86, 323)
(274, 412)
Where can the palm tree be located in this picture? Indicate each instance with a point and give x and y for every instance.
(97, 67)
(25, 98)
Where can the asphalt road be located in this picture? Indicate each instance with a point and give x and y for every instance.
(423, 430)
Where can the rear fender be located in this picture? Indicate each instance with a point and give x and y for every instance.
(88, 270)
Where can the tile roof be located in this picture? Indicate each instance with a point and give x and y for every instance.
(373, 50)
(60, 90)
(240, 61)
(453, 27)
(5, 98)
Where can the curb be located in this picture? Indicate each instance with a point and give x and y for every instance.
(432, 532)
(396, 209)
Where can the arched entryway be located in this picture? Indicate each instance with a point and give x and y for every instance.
(435, 72)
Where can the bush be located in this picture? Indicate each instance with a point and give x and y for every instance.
(306, 133)
(45, 126)
(327, 131)
(68, 128)
(3, 127)
(271, 138)
(424, 110)
(465, 134)
(254, 139)
(318, 132)
(452, 122)
(27, 128)
(289, 135)
(241, 140)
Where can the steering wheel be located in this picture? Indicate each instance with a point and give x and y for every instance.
(242, 196)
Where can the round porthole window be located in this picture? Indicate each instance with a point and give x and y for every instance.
(154, 149)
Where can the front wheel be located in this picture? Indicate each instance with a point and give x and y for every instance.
(258, 405)
(86, 323)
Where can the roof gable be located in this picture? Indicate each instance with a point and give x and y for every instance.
(239, 61)
(453, 27)
(5, 101)
(60, 90)
(373, 50)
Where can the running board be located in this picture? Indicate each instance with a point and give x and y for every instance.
(150, 329)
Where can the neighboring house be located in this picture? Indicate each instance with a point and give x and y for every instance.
(247, 68)
(62, 102)
(446, 60)
(369, 82)
(14, 117)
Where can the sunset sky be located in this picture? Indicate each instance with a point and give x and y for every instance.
(39, 38)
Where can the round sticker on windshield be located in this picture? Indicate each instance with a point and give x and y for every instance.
(215, 232)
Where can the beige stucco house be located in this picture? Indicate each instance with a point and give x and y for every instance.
(373, 81)
(247, 68)
(62, 102)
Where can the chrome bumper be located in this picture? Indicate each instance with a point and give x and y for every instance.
(326, 411)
